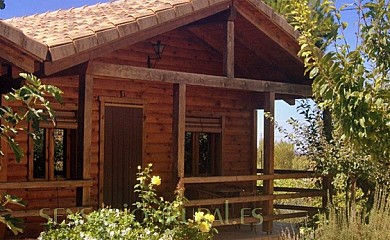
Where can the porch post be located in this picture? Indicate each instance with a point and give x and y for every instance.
(178, 128)
(269, 138)
(84, 135)
(228, 60)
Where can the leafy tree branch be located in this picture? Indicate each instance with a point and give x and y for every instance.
(35, 107)
(352, 83)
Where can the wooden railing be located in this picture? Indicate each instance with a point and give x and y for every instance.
(287, 192)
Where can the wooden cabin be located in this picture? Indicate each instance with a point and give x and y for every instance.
(190, 109)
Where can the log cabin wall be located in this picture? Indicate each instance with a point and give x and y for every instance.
(236, 108)
(183, 52)
(38, 198)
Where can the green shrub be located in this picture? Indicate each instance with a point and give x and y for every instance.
(160, 219)
(14, 224)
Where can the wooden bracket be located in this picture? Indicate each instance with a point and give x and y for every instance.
(232, 13)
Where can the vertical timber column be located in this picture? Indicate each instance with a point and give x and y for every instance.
(269, 145)
(178, 133)
(84, 135)
(228, 59)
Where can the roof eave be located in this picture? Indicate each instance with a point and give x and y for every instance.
(19, 40)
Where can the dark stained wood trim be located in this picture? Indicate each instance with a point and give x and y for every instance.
(254, 142)
(85, 133)
(129, 72)
(46, 184)
(59, 65)
(102, 115)
(178, 127)
(228, 60)
(18, 58)
(269, 146)
(103, 102)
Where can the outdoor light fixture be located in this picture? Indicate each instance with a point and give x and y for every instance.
(158, 50)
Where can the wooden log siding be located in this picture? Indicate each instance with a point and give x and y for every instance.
(200, 101)
(38, 193)
(184, 52)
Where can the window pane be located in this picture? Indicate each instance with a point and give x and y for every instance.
(204, 154)
(188, 154)
(59, 153)
(39, 154)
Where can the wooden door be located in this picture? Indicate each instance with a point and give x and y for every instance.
(122, 153)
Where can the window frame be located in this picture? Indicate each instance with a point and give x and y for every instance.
(66, 120)
(207, 125)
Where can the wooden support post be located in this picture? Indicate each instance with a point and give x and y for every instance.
(228, 58)
(179, 122)
(269, 145)
(84, 135)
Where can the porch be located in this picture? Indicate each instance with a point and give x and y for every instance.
(249, 233)
(235, 208)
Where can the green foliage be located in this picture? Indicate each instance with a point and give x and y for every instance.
(14, 224)
(160, 219)
(285, 156)
(343, 224)
(354, 174)
(34, 107)
(324, 28)
(2, 4)
(353, 83)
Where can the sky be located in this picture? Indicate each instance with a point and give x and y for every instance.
(18, 8)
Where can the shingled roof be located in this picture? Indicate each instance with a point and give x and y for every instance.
(55, 35)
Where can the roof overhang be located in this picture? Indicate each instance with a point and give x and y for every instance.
(71, 51)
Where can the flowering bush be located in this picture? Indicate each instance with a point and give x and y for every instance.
(161, 219)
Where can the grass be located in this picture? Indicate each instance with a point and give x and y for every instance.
(342, 224)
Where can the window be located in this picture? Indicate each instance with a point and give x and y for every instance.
(203, 146)
(53, 151)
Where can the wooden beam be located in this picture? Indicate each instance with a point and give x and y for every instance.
(17, 58)
(178, 126)
(295, 207)
(46, 184)
(228, 58)
(269, 146)
(289, 101)
(258, 198)
(129, 72)
(215, 43)
(3, 70)
(16, 71)
(59, 65)
(85, 133)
